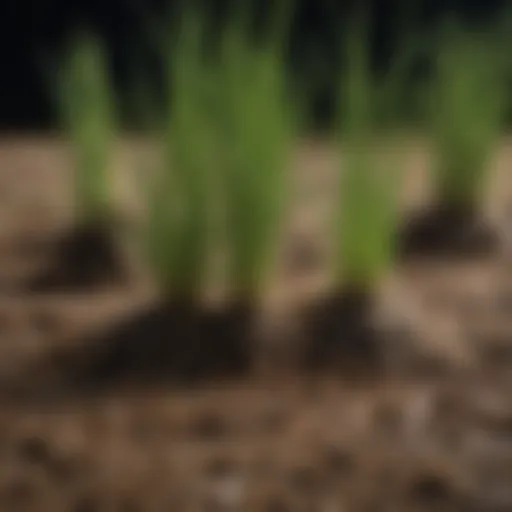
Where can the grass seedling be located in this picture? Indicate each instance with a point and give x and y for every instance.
(465, 111)
(200, 339)
(87, 255)
(177, 230)
(465, 107)
(365, 222)
(87, 111)
(367, 219)
(257, 129)
(225, 141)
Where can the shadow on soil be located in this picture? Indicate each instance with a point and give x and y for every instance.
(185, 344)
(82, 259)
(447, 232)
(339, 334)
(169, 343)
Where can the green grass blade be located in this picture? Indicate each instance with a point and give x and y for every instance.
(178, 222)
(367, 216)
(257, 129)
(466, 105)
(87, 110)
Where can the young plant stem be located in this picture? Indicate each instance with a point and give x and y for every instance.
(256, 129)
(87, 110)
(178, 227)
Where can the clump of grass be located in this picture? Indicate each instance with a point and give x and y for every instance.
(219, 146)
(88, 114)
(367, 221)
(367, 216)
(257, 127)
(466, 106)
(227, 138)
(178, 229)
(86, 255)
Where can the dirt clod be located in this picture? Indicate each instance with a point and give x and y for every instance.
(447, 233)
(84, 258)
(340, 333)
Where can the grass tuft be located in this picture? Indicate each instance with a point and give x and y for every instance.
(257, 128)
(465, 111)
(88, 113)
(366, 221)
(177, 233)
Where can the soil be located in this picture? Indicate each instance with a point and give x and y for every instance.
(448, 233)
(170, 342)
(84, 427)
(84, 257)
(339, 333)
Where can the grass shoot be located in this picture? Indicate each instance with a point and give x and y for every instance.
(87, 110)
(367, 215)
(466, 104)
(177, 229)
(257, 128)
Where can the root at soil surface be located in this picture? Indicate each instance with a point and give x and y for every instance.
(340, 334)
(171, 343)
(447, 232)
(82, 259)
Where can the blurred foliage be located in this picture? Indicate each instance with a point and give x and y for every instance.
(367, 217)
(87, 110)
(464, 110)
(257, 123)
(177, 233)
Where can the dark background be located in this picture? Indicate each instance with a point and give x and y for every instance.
(33, 31)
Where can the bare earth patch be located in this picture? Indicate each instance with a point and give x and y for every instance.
(432, 432)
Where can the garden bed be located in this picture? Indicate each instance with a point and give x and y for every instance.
(431, 430)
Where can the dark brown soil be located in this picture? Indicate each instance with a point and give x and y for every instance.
(111, 401)
(445, 232)
(84, 258)
(339, 333)
(170, 342)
